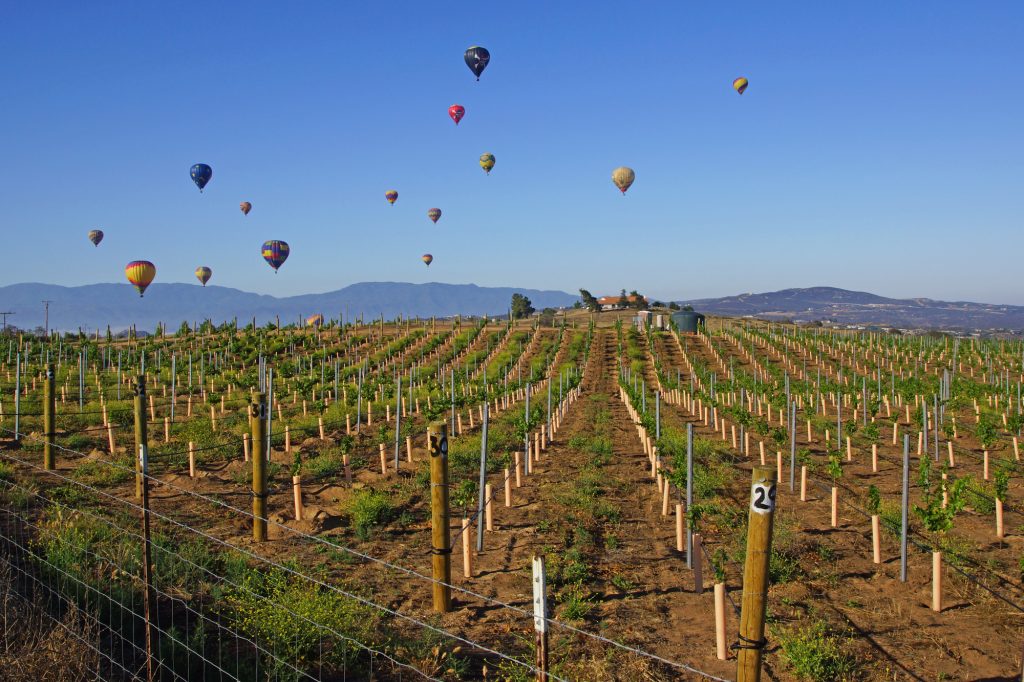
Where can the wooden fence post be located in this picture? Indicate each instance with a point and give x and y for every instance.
(258, 428)
(140, 429)
(755, 574)
(441, 550)
(48, 418)
(142, 491)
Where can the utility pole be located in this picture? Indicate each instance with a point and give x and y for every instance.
(4, 315)
(46, 318)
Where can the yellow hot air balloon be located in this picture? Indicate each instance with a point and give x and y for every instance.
(740, 84)
(203, 274)
(487, 162)
(141, 274)
(623, 177)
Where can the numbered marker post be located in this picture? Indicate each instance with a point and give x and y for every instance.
(755, 574)
(441, 549)
(258, 432)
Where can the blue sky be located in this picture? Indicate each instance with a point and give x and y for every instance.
(878, 147)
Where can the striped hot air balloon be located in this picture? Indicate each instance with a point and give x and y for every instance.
(140, 274)
(428, 259)
(740, 84)
(275, 252)
(392, 196)
(203, 274)
(95, 236)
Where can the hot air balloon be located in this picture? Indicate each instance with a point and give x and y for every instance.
(623, 177)
(392, 196)
(203, 274)
(487, 162)
(246, 207)
(477, 59)
(201, 174)
(95, 236)
(275, 252)
(428, 259)
(140, 274)
(315, 320)
(740, 84)
(434, 214)
(456, 111)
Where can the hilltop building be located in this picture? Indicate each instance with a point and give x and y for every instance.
(615, 302)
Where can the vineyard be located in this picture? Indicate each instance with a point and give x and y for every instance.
(256, 503)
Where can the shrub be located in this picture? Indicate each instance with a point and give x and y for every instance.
(814, 653)
(299, 621)
(369, 509)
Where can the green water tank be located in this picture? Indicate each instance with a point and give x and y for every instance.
(688, 321)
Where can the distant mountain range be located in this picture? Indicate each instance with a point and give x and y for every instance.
(97, 305)
(861, 308)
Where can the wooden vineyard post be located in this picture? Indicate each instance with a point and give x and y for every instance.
(441, 551)
(258, 425)
(755, 574)
(48, 418)
(540, 617)
(905, 508)
(142, 489)
(140, 429)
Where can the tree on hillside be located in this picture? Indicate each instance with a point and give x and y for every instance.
(547, 317)
(521, 307)
(673, 306)
(638, 301)
(589, 301)
(623, 300)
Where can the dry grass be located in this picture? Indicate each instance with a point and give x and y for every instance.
(39, 647)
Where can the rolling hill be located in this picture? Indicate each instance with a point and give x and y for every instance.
(97, 305)
(857, 307)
